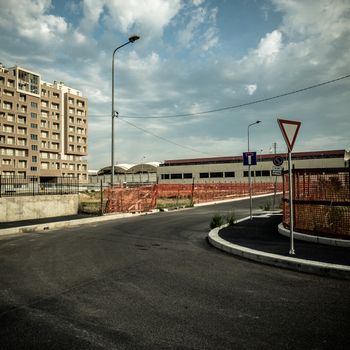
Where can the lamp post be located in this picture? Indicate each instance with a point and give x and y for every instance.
(141, 174)
(114, 112)
(249, 174)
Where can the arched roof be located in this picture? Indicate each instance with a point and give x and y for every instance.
(150, 167)
(144, 167)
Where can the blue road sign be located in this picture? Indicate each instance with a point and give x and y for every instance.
(249, 158)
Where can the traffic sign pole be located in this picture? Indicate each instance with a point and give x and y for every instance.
(291, 221)
(290, 129)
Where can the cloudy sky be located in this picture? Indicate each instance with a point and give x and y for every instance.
(193, 56)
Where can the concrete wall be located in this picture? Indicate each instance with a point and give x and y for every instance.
(37, 207)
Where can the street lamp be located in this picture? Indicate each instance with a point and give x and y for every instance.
(249, 174)
(114, 112)
(141, 174)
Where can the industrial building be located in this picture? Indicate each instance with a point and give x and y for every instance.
(231, 169)
(228, 169)
(43, 127)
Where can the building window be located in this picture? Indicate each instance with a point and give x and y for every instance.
(229, 174)
(8, 128)
(245, 173)
(10, 117)
(165, 176)
(7, 105)
(34, 168)
(34, 126)
(22, 131)
(33, 137)
(10, 140)
(34, 147)
(21, 119)
(216, 174)
(175, 176)
(22, 164)
(22, 142)
(187, 175)
(33, 115)
(204, 175)
(33, 105)
(34, 159)
(44, 165)
(265, 173)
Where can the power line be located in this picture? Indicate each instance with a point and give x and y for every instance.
(239, 105)
(166, 140)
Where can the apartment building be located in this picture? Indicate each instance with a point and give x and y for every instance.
(43, 127)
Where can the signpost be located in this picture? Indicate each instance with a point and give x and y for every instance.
(278, 161)
(290, 129)
(249, 158)
(276, 171)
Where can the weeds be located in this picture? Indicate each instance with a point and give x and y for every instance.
(218, 220)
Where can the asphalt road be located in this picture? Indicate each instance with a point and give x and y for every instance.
(153, 282)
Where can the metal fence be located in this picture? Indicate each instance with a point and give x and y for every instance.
(33, 186)
(321, 201)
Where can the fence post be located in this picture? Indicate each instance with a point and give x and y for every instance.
(101, 197)
(0, 186)
(192, 193)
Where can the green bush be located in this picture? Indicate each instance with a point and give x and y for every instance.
(230, 218)
(266, 206)
(216, 221)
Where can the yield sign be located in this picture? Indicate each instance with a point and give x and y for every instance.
(289, 129)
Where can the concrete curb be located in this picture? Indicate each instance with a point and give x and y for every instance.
(301, 265)
(235, 199)
(68, 223)
(315, 239)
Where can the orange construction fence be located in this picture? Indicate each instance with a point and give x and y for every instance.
(321, 201)
(144, 198)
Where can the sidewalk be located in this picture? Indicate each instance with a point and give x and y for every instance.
(36, 225)
(259, 240)
(4, 225)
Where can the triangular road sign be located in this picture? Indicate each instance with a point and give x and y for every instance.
(289, 129)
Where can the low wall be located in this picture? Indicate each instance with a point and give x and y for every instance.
(37, 207)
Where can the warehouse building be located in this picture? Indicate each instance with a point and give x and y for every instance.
(231, 169)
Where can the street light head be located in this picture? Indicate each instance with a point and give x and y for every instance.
(134, 38)
(258, 121)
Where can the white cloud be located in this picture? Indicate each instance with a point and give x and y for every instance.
(327, 19)
(200, 30)
(197, 2)
(150, 16)
(30, 19)
(270, 46)
(251, 88)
